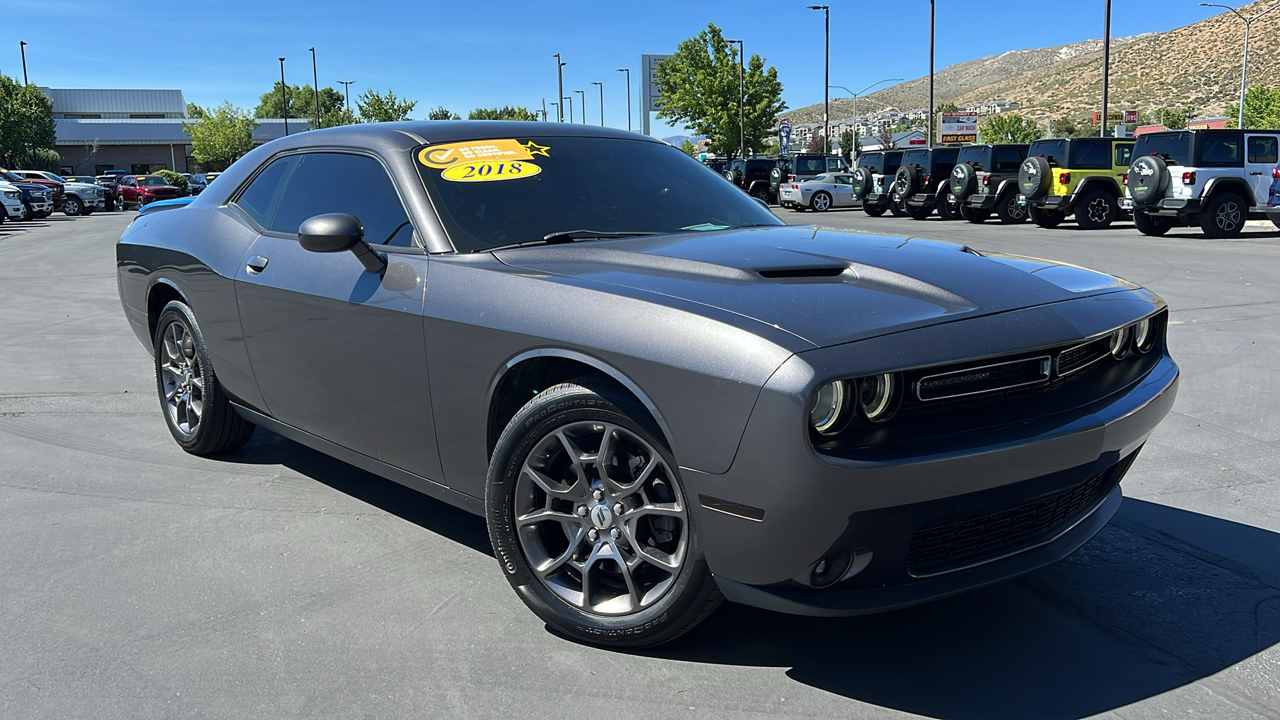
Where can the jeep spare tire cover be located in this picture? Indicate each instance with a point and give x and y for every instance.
(775, 179)
(905, 183)
(728, 175)
(1033, 177)
(963, 181)
(862, 182)
(1148, 179)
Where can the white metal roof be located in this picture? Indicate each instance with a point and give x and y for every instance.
(155, 132)
(169, 102)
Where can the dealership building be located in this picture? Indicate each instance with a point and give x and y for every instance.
(139, 131)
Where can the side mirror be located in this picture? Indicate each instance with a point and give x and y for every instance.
(336, 232)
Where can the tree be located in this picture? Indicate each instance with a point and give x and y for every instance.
(1009, 128)
(885, 138)
(1071, 127)
(221, 137)
(194, 110)
(26, 124)
(440, 113)
(377, 107)
(937, 117)
(506, 112)
(1174, 118)
(848, 146)
(1261, 108)
(174, 178)
(698, 87)
(302, 104)
(688, 148)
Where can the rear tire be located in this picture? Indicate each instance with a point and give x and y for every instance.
(196, 410)
(547, 503)
(1046, 218)
(1224, 215)
(1096, 210)
(1010, 211)
(1152, 225)
(820, 202)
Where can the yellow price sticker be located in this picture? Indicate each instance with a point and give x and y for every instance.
(454, 154)
(490, 171)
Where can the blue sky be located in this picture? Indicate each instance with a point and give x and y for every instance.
(468, 54)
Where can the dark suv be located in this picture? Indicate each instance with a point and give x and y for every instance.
(798, 167)
(923, 183)
(752, 175)
(1216, 179)
(872, 182)
(985, 180)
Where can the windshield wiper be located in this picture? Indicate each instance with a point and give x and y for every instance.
(568, 236)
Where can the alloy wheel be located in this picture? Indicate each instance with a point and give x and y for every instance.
(1016, 211)
(1228, 217)
(183, 379)
(600, 518)
(821, 202)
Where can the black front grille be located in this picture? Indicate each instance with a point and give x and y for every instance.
(982, 379)
(1082, 356)
(939, 548)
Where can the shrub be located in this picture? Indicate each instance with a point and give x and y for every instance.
(174, 178)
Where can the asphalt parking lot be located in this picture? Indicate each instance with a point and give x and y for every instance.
(137, 581)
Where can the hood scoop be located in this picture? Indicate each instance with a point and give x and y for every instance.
(810, 272)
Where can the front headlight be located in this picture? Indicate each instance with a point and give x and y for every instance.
(11, 194)
(1143, 338)
(828, 408)
(875, 397)
(1120, 343)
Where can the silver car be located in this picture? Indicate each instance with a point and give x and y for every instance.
(820, 193)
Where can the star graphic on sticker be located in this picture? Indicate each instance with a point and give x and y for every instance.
(536, 149)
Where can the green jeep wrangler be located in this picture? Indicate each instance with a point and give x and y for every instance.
(1082, 176)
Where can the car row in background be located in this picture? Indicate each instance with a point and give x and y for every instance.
(36, 194)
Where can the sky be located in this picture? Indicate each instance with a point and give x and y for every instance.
(469, 54)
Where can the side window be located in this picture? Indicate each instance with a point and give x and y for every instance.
(1090, 155)
(1007, 159)
(1264, 149)
(341, 183)
(259, 200)
(1123, 155)
(1219, 150)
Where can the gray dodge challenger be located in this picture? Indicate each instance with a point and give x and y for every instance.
(657, 394)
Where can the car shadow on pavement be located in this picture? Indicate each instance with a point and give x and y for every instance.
(268, 448)
(1160, 599)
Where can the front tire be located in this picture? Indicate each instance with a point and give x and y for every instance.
(918, 213)
(1046, 218)
(974, 215)
(196, 410)
(72, 207)
(899, 209)
(590, 522)
(875, 210)
(1152, 225)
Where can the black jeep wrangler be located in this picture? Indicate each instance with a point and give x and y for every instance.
(752, 176)
(923, 183)
(985, 180)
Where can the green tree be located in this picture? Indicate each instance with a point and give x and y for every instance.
(441, 113)
(688, 148)
(225, 133)
(194, 110)
(377, 107)
(817, 144)
(302, 104)
(1174, 118)
(937, 118)
(506, 112)
(173, 178)
(26, 123)
(1261, 109)
(848, 146)
(1009, 128)
(698, 88)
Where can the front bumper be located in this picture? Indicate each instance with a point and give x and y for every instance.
(13, 208)
(41, 206)
(783, 508)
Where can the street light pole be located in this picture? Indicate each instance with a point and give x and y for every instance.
(583, 100)
(315, 85)
(628, 72)
(1106, 68)
(601, 102)
(346, 86)
(22, 47)
(742, 100)
(560, 76)
(931, 38)
(570, 99)
(855, 99)
(557, 107)
(1244, 71)
(284, 98)
(826, 92)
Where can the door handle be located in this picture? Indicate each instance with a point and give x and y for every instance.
(256, 264)
(1256, 173)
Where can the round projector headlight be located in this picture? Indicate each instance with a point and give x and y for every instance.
(1120, 343)
(1143, 340)
(828, 408)
(875, 397)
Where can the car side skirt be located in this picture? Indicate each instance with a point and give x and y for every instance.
(426, 486)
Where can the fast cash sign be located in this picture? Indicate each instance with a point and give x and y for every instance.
(959, 127)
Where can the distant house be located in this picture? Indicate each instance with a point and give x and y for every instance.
(900, 140)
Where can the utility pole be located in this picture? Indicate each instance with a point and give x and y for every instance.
(1244, 72)
(560, 76)
(315, 85)
(22, 47)
(284, 98)
(583, 100)
(932, 121)
(826, 91)
(601, 102)
(628, 72)
(346, 86)
(1106, 69)
(742, 100)
(544, 109)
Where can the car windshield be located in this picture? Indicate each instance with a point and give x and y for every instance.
(197, 179)
(530, 188)
(11, 177)
(1175, 147)
(979, 157)
(152, 181)
(1052, 150)
(52, 176)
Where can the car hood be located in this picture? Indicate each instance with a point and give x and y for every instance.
(81, 186)
(825, 287)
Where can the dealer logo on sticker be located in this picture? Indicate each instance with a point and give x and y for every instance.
(489, 171)
(454, 154)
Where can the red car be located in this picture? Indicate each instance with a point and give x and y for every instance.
(58, 191)
(142, 189)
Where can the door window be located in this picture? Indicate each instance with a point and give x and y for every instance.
(1264, 149)
(1123, 153)
(341, 183)
(259, 200)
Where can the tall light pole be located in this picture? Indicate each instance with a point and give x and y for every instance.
(346, 86)
(1244, 72)
(583, 99)
(1106, 68)
(284, 98)
(560, 77)
(315, 84)
(570, 99)
(601, 102)
(22, 47)
(826, 92)
(855, 95)
(742, 100)
(628, 72)
(932, 121)
(556, 105)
